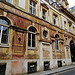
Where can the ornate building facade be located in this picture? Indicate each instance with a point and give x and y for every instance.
(35, 35)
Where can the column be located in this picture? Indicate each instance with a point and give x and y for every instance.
(41, 57)
(51, 57)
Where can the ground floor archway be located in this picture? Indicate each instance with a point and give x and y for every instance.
(72, 50)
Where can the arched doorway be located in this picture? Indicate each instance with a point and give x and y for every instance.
(72, 50)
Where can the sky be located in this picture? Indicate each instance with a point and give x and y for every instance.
(71, 3)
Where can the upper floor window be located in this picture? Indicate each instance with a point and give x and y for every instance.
(22, 3)
(32, 37)
(57, 41)
(4, 31)
(44, 14)
(10, 1)
(55, 19)
(32, 7)
(65, 27)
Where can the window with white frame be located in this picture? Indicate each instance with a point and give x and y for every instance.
(55, 19)
(44, 14)
(57, 42)
(32, 7)
(22, 3)
(4, 31)
(10, 1)
(32, 37)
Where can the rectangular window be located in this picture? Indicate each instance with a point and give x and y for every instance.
(32, 7)
(57, 44)
(55, 19)
(44, 14)
(5, 32)
(10, 1)
(31, 40)
(52, 45)
(22, 3)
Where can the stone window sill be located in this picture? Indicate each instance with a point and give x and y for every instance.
(32, 48)
(4, 45)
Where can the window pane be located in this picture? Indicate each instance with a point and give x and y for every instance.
(57, 45)
(34, 11)
(22, 3)
(30, 2)
(54, 21)
(30, 9)
(33, 36)
(44, 14)
(5, 35)
(45, 33)
(33, 40)
(34, 4)
(5, 30)
(29, 39)
(2, 21)
(10, 1)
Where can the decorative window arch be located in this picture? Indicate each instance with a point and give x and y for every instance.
(4, 30)
(32, 38)
(57, 41)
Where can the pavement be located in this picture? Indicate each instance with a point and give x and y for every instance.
(53, 71)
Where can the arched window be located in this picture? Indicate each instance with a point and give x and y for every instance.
(57, 41)
(32, 37)
(4, 31)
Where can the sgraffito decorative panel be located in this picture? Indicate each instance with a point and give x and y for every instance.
(19, 43)
(46, 51)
